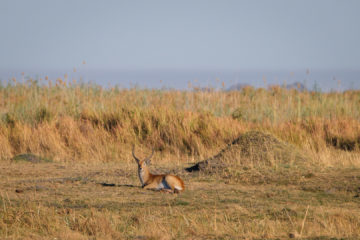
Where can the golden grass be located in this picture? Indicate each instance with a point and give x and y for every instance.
(53, 200)
(86, 132)
(88, 123)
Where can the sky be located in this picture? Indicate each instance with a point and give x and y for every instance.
(191, 34)
(232, 35)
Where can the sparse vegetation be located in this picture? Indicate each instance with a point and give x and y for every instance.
(67, 170)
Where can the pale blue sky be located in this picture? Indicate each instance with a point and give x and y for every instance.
(195, 34)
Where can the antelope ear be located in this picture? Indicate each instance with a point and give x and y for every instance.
(147, 161)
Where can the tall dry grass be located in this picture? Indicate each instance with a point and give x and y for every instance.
(67, 121)
(75, 124)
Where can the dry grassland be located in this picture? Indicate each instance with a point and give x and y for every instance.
(84, 185)
(105, 201)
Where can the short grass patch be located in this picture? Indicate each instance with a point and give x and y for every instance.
(215, 208)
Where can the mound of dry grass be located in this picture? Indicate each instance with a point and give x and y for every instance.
(254, 149)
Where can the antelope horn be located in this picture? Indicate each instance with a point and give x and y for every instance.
(136, 159)
(152, 153)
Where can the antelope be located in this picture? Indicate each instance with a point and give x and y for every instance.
(163, 182)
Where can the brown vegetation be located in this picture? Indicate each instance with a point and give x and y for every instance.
(254, 149)
(292, 163)
(89, 123)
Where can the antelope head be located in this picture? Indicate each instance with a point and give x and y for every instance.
(143, 170)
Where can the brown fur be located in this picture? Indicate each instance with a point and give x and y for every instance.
(148, 180)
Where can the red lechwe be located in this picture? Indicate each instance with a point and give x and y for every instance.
(165, 182)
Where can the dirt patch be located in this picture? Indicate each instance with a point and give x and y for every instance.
(253, 148)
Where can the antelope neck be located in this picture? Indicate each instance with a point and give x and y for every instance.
(144, 175)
